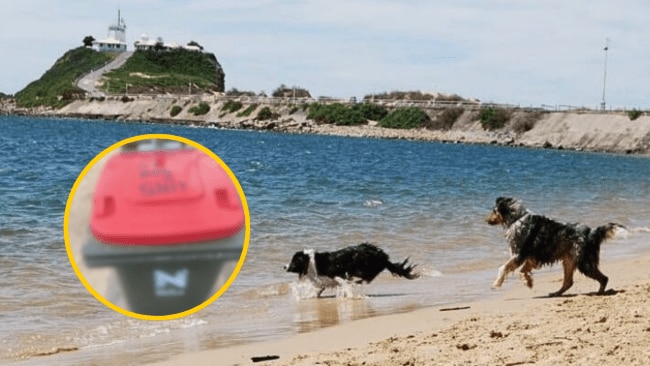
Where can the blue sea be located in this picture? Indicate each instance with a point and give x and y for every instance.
(423, 200)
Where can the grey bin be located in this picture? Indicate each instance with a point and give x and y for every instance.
(166, 279)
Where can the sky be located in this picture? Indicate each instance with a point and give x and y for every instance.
(522, 52)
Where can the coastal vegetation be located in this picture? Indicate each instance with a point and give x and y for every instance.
(176, 71)
(234, 92)
(175, 111)
(56, 87)
(247, 112)
(232, 106)
(634, 114)
(201, 109)
(405, 118)
(414, 95)
(345, 114)
(266, 114)
(493, 118)
(284, 91)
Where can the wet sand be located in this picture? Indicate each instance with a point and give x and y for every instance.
(520, 327)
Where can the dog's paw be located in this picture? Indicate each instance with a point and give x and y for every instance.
(528, 280)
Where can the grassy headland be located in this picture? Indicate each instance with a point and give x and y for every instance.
(56, 87)
(176, 72)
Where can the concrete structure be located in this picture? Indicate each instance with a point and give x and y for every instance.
(116, 40)
(145, 43)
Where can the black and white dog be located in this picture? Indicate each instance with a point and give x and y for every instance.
(358, 264)
(536, 240)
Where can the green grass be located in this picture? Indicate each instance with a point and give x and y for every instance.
(56, 87)
(171, 71)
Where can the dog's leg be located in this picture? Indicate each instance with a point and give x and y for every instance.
(569, 267)
(505, 270)
(525, 272)
(597, 275)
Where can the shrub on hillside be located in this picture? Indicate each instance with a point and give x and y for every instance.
(493, 118)
(371, 111)
(176, 109)
(265, 114)
(232, 106)
(284, 91)
(247, 112)
(634, 114)
(348, 115)
(400, 95)
(234, 92)
(335, 113)
(201, 109)
(405, 118)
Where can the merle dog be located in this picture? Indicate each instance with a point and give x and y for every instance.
(536, 240)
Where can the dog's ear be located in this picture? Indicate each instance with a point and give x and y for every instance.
(504, 201)
(507, 204)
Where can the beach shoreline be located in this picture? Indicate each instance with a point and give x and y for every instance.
(519, 327)
(427, 335)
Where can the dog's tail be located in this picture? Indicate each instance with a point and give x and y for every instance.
(403, 269)
(596, 237)
(609, 231)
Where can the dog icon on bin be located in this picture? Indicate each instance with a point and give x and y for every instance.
(167, 218)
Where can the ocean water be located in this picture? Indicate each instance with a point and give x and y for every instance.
(426, 201)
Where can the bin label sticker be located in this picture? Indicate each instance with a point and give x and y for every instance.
(168, 284)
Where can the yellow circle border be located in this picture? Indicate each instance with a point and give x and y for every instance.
(221, 290)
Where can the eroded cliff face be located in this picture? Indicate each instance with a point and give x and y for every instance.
(588, 131)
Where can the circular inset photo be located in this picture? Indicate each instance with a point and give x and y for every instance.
(156, 227)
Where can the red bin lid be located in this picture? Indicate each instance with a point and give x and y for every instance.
(164, 197)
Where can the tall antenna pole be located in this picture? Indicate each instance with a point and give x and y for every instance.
(602, 103)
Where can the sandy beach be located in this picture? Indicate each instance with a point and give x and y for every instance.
(521, 327)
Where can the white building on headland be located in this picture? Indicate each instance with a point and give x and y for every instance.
(145, 43)
(116, 40)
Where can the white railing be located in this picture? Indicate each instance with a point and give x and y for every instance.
(388, 103)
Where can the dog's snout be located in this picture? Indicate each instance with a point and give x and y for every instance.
(494, 218)
(285, 267)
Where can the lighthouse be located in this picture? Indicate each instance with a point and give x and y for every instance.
(116, 40)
